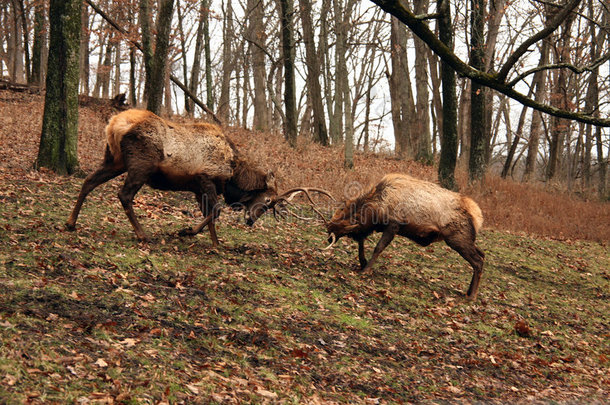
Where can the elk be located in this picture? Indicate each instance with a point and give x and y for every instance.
(196, 157)
(419, 210)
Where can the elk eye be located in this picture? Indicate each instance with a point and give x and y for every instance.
(267, 200)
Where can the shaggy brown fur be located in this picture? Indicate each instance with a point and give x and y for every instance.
(419, 210)
(167, 156)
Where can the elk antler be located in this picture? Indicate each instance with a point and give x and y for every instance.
(286, 198)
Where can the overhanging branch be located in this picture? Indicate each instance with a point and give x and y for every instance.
(400, 10)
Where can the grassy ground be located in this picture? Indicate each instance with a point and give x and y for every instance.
(94, 316)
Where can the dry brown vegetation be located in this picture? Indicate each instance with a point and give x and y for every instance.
(507, 205)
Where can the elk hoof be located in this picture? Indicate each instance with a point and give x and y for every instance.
(70, 227)
(186, 232)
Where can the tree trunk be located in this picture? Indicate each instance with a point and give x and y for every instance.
(209, 89)
(560, 99)
(15, 45)
(476, 164)
(290, 125)
(449, 142)
(59, 136)
(26, 40)
(227, 63)
(538, 81)
(401, 96)
(84, 52)
(39, 40)
(258, 41)
(160, 57)
(421, 131)
(336, 128)
(189, 106)
(314, 91)
(147, 49)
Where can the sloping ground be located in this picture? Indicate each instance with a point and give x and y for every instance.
(506, 205)
(94, 317)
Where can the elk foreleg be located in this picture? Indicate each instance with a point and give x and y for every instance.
(464, 245)
(100, 176)
(208, 203)
(388, 235)
(361, 254)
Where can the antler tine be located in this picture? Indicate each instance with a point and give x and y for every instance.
(294, 191)
(306, 190)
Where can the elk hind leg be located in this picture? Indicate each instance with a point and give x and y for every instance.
(463, 243)
(107, 172)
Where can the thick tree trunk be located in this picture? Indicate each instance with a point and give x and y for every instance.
(160, 58)
(59, 136)
(449, 142)
(476, 164)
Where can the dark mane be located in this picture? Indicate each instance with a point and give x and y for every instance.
(248, 177)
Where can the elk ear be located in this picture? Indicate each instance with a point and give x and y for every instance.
(270, 180)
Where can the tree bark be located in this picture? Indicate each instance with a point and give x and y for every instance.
(84, 52)
(449, 142)
(227, 63)
(39, 40)
(58, 142)
(422, 124)
(159, 61)
(538, 81)
(290, 125)
(476, 163)
(401, 96)
(314, 91)
(258, 41)
(560, 99)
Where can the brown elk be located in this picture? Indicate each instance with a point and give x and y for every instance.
(166, 156)
(419, 210)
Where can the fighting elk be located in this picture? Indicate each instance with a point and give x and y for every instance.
(197, 158)
(421, 211)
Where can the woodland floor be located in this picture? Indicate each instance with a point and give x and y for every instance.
(93, 316)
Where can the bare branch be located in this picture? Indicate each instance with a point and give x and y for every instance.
(575, 69)
(551, 26)
(400, 9)
(137, 45)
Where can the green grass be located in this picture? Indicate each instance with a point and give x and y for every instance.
(268, 316)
